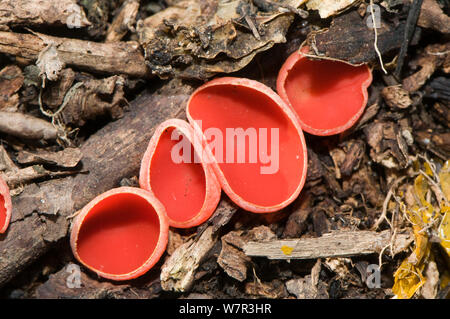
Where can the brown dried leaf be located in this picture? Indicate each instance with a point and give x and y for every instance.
(91, 98)
(197, 39)
(38, 12)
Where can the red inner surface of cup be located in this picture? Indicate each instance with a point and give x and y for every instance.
(233, 106)
(119, 234)
(3, 211)
(325, 94)
(181, 187)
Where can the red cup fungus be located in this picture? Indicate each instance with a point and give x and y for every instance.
(121, 233)
(328, 96)
(5, 206)
(173, 171)
(253, 141)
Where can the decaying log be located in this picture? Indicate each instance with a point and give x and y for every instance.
(112, 58)
(335, 244)
(40, 212)
(178, 272)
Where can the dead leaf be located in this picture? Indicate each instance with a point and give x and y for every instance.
(49, 62)
(328, 8)
(197, 39)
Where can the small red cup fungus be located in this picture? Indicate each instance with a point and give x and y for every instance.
(253, 141)
(172, 170)
(328, 96)
(120, 234)
(5, 206)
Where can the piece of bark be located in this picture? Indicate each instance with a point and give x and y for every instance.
(434, 56)
(112, 58)
(269, 290)
(396, 97)
(68, 158)
(113, 152)
(178, 271)
(437, 141)
(432, 17)
(72, 283)
(11, 80)
(123, 21)
(388, 146)
(350, 39)
(42, 12)
(347, 157)
(231, 258)
(27, 126)
(296, 222)
(334, 244)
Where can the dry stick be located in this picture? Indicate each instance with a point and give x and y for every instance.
(113, 152)
(112, 58)
(411, 22)
(335, 244)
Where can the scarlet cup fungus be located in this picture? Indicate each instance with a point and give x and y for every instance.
(328, 96)
(253, 141)
(121, 233)
(5, 206)
(173, 171)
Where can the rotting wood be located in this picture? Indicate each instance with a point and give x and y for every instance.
(40, 212)
(335, 244)
(112, 58)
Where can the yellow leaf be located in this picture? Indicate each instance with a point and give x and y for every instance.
(444, 230)
(444, 177)
(407, 280)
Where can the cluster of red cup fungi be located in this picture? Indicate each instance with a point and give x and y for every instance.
(122, 233)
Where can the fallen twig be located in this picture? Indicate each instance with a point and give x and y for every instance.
(335, 244)
(112, 58)
(27, 126)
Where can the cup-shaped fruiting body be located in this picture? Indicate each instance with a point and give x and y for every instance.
(5, 206)
(328, 96)
(173, 170)
(253, 141)
(120, 234)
